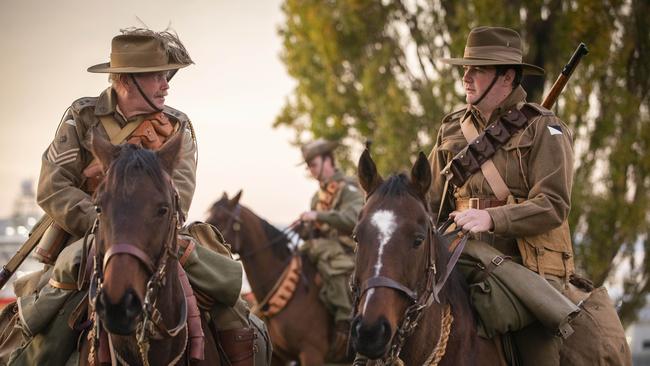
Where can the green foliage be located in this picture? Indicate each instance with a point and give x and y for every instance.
(368, 70)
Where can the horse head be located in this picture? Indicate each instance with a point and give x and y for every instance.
(396, 256)
(138, 216)
(225, 214)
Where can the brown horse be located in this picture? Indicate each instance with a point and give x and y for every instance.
(410, 304)
(303, 329)
(135, 291)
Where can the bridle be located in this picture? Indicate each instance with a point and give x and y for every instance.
(419, 302)
(234, 223)
(152, 325)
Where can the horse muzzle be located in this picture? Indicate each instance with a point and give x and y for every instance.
(371, 340)
(120, 318)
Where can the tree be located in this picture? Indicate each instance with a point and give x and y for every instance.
(368, 70)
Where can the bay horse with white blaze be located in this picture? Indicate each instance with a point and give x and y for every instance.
(411, 306)
(136, 293)
(303, 330)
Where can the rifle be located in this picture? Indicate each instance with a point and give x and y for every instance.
(24, 250)
(562, 80)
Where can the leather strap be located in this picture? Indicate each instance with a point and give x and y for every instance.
(488, 168)
(116, 133)
(381, 281)
(62, 285)
(131, 250)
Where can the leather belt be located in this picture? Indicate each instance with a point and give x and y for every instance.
(463, 204)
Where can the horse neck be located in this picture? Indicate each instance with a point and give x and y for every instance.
(462, 336)
(264, 264)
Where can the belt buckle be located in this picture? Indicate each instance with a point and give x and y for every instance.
(474, 203)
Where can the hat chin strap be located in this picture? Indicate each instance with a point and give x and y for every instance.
(494, 80)
(144, 96)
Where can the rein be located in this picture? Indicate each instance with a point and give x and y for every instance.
(421, 301)
(152, 325)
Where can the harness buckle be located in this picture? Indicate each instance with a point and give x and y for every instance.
(498, 260)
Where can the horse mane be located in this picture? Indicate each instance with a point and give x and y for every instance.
(398, 185)
(133, 160)
(280, 245)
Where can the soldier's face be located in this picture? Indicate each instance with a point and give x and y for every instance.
(154, 85)
(320, 168)
(476, 80)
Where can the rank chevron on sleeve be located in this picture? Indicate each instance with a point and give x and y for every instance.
(62, 158)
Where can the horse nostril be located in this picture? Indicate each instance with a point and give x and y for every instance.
(131, 303)
(384, 327)
(355, 326)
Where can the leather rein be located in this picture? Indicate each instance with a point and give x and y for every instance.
(421, 301)
(152, 325)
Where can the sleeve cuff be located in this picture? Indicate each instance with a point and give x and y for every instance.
(499, 219)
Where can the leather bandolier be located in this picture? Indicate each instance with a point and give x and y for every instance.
(547, 253)
(469, 160)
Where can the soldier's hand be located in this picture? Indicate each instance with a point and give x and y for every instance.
(473, 220)
(308, 216)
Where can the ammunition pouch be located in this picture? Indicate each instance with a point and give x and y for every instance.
(507, 296)
(549, 252)
(469, 160)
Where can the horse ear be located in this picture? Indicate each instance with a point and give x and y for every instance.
(224, 196)
(168, 155)
(367, 172)
(235, 200)
(421, 175)
(102, 149)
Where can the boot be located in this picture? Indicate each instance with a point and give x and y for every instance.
(238, 346)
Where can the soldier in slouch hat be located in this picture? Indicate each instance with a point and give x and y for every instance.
(332, 216)
(132, 110)
(505, 170)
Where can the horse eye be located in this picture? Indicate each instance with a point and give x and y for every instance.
(163, 210)
(98, 209)
(419, 239)
(354, 237)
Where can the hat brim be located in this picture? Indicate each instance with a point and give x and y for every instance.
(106, 68)
(526, 68)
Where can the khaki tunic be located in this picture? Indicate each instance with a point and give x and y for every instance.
(346, 205)
(59, 192)
(536, 165)
(332, 247)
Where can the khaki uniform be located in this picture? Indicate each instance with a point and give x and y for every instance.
(338, 204)
(537, 166)
(61, 194)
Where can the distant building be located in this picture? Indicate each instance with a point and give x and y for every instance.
(14, 231)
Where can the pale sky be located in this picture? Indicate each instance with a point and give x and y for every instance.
(232, 94)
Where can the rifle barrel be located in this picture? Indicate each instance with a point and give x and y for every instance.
(562, 80)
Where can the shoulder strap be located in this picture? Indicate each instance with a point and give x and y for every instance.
(488, 168)
(116, 133)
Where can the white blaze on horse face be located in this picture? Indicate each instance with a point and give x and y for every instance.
(385, 223)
